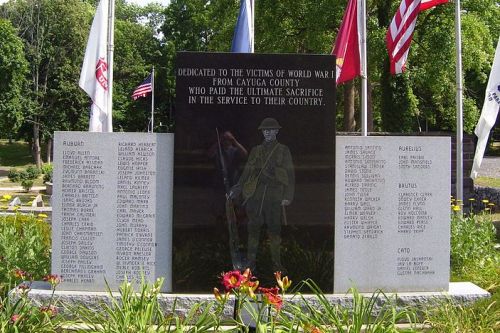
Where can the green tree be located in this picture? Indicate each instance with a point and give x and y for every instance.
(13, 68)
(423, 98)
(138, 47)
(54, 34)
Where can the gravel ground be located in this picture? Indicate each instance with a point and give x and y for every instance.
(490, 167)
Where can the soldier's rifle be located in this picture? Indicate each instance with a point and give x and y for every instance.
(230, 213)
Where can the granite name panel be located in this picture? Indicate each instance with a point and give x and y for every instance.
(392, 216)
(112, 208)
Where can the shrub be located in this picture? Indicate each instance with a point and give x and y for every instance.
(472, 239)
(472, 251)
(14, 175)
(32, 172)
(47, 170)
(27, 184)
(27, 175)
(24, 244)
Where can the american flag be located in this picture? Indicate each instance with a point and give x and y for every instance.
(400, 33)
(143, 89)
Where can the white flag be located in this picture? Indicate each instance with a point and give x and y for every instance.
(488, 113)
(94, 75)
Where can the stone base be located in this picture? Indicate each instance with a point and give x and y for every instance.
(462, 292)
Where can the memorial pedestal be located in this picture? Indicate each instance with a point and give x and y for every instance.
(460, 292)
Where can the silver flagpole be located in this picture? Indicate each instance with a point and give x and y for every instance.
(364, 75)
(152, 99)
(111, 40)
(252, 4)
(459, 134)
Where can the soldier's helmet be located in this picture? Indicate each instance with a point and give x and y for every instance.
(269, 123)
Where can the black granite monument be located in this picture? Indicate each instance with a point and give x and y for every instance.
(254, 167)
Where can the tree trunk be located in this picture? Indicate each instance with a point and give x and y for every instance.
(349, 120)
(49, 150)
(36, 144)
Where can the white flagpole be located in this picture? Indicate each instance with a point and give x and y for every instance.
(252, 19)
(152, 99)
(364, 76)
(459, 131)
(111, 40)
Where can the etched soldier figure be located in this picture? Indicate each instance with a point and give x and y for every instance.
(267, 186)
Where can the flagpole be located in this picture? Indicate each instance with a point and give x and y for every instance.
(152, 99)
(364, 83)
(111, 38)
(459, 101)
(252, 4)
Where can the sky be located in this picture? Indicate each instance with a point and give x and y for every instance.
(139, 2)
(145, 2)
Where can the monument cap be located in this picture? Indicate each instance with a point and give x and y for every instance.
(269, 123)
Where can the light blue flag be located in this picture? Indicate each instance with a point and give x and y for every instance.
(243, 32)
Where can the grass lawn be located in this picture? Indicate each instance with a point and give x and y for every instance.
(487, 182)
(16, 154)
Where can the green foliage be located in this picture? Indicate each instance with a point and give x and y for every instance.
(422, 99)
(14, 175)
(13, 67)
(47, 171)
(130, 312)
(449, 317)
(19, 315)
(472, 239)
(399, 106)
(140, 311)
(473, 256)
(25, 177)
(363, 317)
(27, 184)
(25, 245)
(54, 34)
(32, 172)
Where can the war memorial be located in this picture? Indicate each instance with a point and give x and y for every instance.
(254, 176)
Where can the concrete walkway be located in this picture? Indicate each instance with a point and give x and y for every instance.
(19, 188)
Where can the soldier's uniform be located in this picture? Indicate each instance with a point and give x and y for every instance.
(270, 168)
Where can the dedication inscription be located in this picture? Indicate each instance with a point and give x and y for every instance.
(392, 216)
(107, 220)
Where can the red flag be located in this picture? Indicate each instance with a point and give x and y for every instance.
(347, 45)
